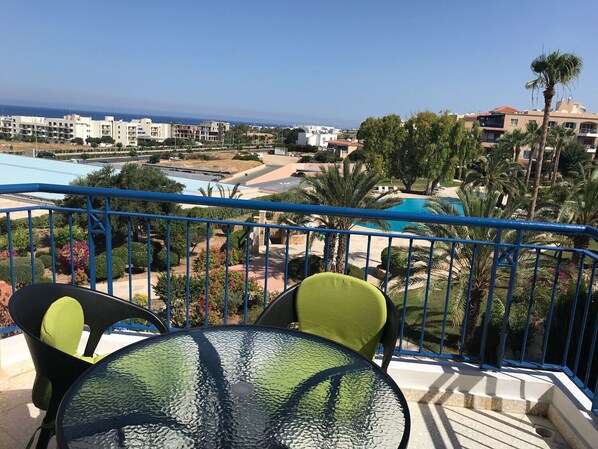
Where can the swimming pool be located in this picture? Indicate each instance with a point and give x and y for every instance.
(412, 205)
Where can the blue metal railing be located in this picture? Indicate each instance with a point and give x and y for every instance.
(510, 298)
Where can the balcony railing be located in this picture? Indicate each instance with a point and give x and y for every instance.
(535, 294)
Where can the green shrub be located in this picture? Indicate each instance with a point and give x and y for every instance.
(160, 261)
(22, 267)
(20, 241)
(398, 260)
(118, 267)
(139, 255)
(237, 239)
(62, 236)
(46, 259)
(356, 272)
(315, 265)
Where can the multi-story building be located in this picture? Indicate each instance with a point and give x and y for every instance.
(318, 129)
(213, 131)
(187, 132)
(57, 129)
(319, 140)
(148, 130)
(569, 114)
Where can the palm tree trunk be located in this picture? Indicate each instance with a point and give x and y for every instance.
(475, 304)
(528, 170)
(548, 94)
(555, 169)
(341, 253)
(331, 245)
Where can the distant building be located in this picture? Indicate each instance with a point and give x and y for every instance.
(319, 140)
(148, 130)
(343, 148)
(318, 129)
(58, 129)
(495, 123)
(188, 132)
(213, 131)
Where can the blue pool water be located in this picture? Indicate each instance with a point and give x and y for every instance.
(411, 205)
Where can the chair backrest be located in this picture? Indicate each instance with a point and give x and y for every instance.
(283, 311)
(343, 309)
(55, 365)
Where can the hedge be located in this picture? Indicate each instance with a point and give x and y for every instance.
(118, 267)
(22, 267)
(160, 261)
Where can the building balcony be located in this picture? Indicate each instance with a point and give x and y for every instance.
(528, 368)
(588, 132)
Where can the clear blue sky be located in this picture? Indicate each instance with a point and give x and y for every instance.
(303, 61)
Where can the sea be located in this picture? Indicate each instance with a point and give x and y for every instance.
(125, 116)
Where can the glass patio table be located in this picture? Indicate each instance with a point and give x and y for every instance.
(234, 387)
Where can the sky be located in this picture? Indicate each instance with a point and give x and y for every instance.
(331, 62)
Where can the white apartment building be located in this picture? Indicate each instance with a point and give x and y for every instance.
(148, 130)
(319, 140)
(318, 129)
(58, 129)
(212, 130)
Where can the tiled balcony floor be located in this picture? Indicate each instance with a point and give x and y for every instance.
(432, 426)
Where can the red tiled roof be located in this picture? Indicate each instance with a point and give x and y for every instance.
(505, 109)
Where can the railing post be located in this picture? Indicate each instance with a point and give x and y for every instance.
(108, 234)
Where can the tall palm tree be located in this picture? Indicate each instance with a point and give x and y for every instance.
(582, 207)
(561, 136)
(464, 263)
(533, 134)
(551, 70)
(515, 140)
(224, 192)
(497, 173)
(345, 186)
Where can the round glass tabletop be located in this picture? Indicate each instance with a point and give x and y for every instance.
(234, 387)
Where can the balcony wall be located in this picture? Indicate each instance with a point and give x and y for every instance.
(538, 309)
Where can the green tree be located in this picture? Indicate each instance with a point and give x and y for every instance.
(561, 136)
(107, 139)
(582, 207)
(77, 141)
(515, 141)
(345, 186)
(551, 70)
(383, 140)
(130, 177)
(572, 155)
(464, 263)
(497, 174)
(290, 135)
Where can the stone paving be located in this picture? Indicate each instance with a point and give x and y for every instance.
(432, 426)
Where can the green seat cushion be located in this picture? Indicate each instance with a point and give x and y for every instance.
(62, 325)
(343, 309)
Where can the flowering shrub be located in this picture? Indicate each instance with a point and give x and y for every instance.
(197, 296)
(81, 277)
(217, 259)
(5, 294)
(80, 255)
(5, 254)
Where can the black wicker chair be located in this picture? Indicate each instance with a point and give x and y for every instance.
(282, 313)
(27, 308)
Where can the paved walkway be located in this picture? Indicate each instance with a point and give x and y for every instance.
(432, 426)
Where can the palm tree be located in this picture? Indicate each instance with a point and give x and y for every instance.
(582, 207)
(497, 173)
(345, 187)
(224, 192)
(561, 136)
(480, 266)
(533, 134)
(551, 70)
(515, 140)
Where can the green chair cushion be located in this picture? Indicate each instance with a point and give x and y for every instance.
(343, 309)
(62, 325)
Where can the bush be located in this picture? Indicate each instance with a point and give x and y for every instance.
(118, 267)
(217, 259)
(62, 236)
(247, 157)
(46, 259)
(138, 255)
(160, 261)
(398, 260)
(237, 240)
(315, 265)
(80, 256)
(22, 267)
(356, 272)
(20, 241)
